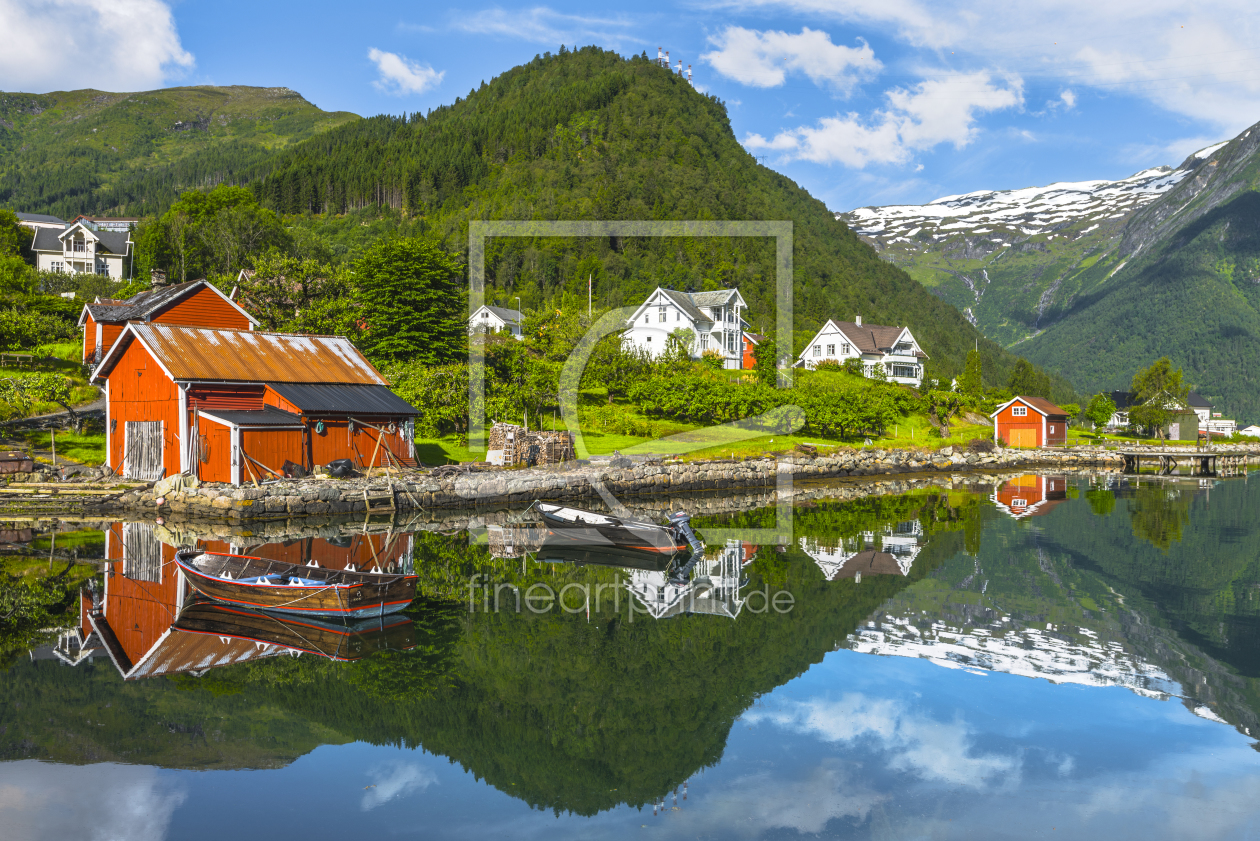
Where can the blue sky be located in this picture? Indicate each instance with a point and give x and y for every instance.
(862, 102)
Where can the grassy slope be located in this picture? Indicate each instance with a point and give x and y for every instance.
(72, 152)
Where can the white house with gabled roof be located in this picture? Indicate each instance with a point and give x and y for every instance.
(715, 320)
(82, 248)
(893, 348)
(490, 319)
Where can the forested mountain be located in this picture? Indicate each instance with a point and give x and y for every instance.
(590, 135)
(90, 151)
(1097, 279)
(1184, 282)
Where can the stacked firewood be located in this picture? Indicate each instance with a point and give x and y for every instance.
(520, 446)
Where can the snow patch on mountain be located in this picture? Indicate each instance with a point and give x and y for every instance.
(1026, 212)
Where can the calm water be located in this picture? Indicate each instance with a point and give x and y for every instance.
(1057, 657)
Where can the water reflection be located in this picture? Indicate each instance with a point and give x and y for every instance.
(1006, 612)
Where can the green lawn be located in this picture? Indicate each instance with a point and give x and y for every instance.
(87, 448)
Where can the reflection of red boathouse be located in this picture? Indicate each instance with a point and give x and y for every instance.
(144, 592)
(1030, 495)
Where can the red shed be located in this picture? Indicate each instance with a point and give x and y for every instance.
(194, 304)
(751, 341)
(1030, 422)
(231, 405)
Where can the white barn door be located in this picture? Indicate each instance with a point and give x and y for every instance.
(142, 450)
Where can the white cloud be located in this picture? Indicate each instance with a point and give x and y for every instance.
(931, 750)
(395, 779)
(933, 112)
(542, 25)
(1068, 99)
(124, 45)
(110, 801)
(1198, 62)
(401, 76)
(763, 59)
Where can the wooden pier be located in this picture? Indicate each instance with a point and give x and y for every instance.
(1201, 462)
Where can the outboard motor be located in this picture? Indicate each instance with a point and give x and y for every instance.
(681, 525)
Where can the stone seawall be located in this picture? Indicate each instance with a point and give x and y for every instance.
(478, 486)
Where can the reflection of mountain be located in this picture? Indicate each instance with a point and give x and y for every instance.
(1093, 600)
(1058, 657)
(555, 709)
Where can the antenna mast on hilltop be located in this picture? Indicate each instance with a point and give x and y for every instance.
(693, 84)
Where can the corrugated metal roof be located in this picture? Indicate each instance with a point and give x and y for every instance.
(200, 354)
(344, 399)
(270, 416)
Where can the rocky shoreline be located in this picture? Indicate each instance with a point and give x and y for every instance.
(478, 486)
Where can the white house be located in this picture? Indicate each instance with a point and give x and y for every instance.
(490, 319)
(81, 248)
(35, 221)
(1252, 431)
(715, 320)
(899, 546)
(893, 348)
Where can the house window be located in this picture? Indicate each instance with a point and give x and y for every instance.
(817, 350)
(677, 315)
(102, 269)
(906, 371)
(704, 340)
(1019, 503)
(1052, 428)
(58, 266)
(1019, 411)
(485, 315)
(647, 319)
(844, 348)
(662, 314)
(831, 350)
(649, 338)
(904, 347)
(730, 341)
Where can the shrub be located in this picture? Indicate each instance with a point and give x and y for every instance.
(829, 365)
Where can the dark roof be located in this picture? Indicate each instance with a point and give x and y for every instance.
(684, 302)
(510, 316)
(270, 416)
(315, 399)
(869, 562)
(870, 338)
(1124, 400)
(39, 217)
(143, 306)
(716, 298)
(46, 239)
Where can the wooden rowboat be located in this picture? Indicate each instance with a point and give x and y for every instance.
(293, 588)
(328, 637)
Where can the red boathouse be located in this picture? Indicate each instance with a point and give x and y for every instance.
(1030, 422)
(235, 405)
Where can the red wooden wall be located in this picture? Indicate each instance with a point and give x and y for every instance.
(89, 338)
(203, 308)
(139, 612)
(272, 447)
(217, 448)
(139, 390)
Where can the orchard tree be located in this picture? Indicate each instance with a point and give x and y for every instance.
(766, 362)
(1158, 394)
(1100, 410)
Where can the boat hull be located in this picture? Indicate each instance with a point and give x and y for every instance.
(329, 638)
(356, 595)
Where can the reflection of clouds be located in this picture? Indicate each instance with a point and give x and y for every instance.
(924, 747)
(394, 779)
(40, 800)
(758, 804)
